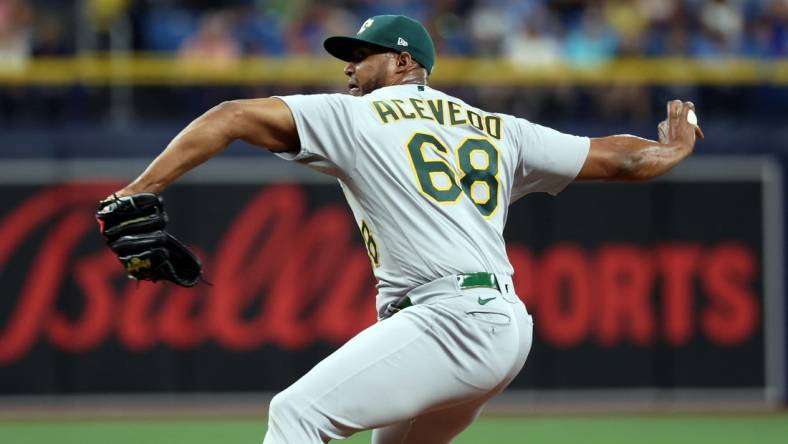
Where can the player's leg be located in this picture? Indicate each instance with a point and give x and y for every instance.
(437, 427)
(442, 425)
(422, 359)
(389, 372)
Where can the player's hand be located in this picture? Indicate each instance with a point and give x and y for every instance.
(676, 127)
(123, 192)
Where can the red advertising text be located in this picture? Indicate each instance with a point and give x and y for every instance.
(288, 276)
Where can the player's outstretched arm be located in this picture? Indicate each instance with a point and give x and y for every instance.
(632, 158)
(267, 123)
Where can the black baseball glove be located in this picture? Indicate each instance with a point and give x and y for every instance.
(133, 227)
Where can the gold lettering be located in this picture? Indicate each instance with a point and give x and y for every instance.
(454, 111)
(397, 103)
(385, 111)
(137, 264)
(418, 105)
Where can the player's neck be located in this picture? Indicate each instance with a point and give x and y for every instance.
(417, 77)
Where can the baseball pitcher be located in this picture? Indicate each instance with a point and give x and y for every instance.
(429, 179)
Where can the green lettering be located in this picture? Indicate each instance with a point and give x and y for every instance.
(493, 125)
(402, 112)
(486, 175)
(427, 169)
(385, 111)
(436, 106)
(454, 111)
(475, 120)
(418, 105)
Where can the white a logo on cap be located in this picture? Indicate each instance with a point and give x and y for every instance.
(366, 25)
(402, 42)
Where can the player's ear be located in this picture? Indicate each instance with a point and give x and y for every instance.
(404, 59)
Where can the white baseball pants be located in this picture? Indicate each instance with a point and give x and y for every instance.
(420, 376)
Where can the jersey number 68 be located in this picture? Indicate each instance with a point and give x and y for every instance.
(477, 158)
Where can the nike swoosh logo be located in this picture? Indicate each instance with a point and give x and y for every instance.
(484, 301)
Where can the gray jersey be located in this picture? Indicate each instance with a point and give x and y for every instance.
(429, 178)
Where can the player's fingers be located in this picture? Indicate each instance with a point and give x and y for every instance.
(699, 132)
(662, 130)
(692, 119)
(684, 112)
(114, 196)
(674, 109)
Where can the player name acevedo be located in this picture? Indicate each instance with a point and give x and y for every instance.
(444, 112)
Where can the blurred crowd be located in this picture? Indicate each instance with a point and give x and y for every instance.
(526, 31)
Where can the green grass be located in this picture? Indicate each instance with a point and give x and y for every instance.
(601, 429)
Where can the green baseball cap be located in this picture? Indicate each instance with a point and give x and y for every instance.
(395, 32)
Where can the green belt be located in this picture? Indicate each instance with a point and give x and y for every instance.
(465, 281)
(478, 280)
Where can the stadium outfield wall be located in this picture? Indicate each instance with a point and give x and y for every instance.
(677, 297)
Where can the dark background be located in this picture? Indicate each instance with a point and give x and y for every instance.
(587, 218)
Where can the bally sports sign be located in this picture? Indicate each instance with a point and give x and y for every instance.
(666, 285)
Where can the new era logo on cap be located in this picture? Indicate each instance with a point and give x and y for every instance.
(402, 42)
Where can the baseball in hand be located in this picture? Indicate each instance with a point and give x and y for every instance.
(692, 118)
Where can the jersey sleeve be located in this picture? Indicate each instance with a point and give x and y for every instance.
(548, 159)
(325, 128)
